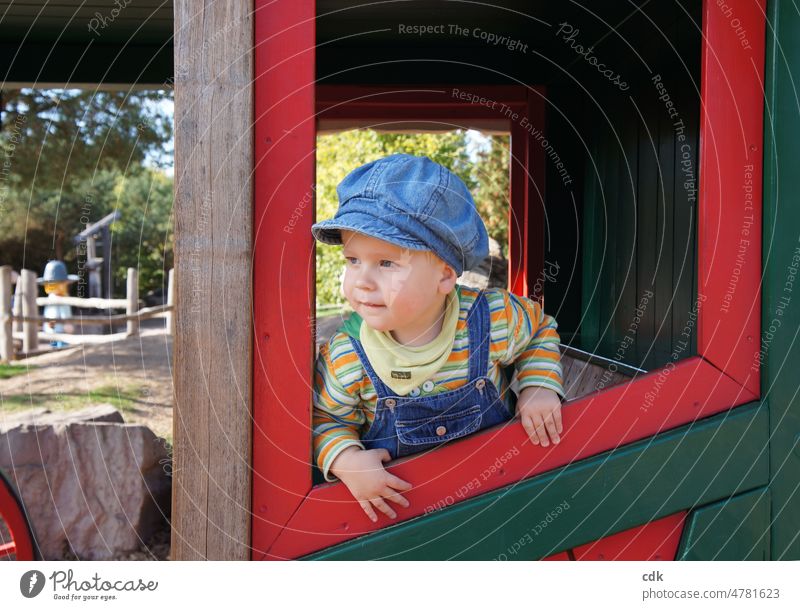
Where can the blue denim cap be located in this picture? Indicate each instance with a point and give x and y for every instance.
(411, 202)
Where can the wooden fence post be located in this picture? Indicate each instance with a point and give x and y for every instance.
(133, 300)
(6, 338)
(30, 330)
(17, 309)
(170, 317)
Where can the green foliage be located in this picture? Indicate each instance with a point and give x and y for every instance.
(73, 132)
(492, 192)
(338, 154)
(143, 238)
(75, 156)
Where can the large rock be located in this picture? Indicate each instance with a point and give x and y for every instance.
(92, 485)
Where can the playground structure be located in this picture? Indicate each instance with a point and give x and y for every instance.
(696, 459)
(21, 324)
(707, 408)
(98, 268)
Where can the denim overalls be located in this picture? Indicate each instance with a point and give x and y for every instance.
(404, 425)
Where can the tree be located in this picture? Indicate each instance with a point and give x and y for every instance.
(70, 158)
(75, 133)
(491, 194)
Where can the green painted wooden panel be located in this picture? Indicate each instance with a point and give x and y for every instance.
(640, 211)
(630, 230)
(641, 255)
(648, 206)
(684, 220)
(730, 530)
(693, 465)
(595, 237)
(780, 347)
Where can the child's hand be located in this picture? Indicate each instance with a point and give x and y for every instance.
(363, 473)
(539, 408)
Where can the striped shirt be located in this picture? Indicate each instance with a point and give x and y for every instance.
(522, 335)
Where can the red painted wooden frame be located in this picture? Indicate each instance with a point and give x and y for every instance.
(290, 518)
(12, 514)
(444, 106)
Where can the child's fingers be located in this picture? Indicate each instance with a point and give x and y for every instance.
(384, 508)
(550, 424)
(527, 423)
(538, 424)
(398, 483)
(391, 494)
(368, 509)
(557, 417)
(551, 430)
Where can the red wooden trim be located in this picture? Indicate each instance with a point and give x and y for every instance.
(558, 557)
(518, 211)
(728, 340)
(654, 541)
(7, 549)
(446, 104)
(283, 280)
(535, 184)
(21, 544)
(598, 422)
(440, 103)
(730, 139)
(414, 101)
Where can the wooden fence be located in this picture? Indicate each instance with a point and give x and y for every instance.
(21, 314)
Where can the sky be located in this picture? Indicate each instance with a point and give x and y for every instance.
(166, 156)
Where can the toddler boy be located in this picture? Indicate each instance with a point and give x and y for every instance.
(421, 361)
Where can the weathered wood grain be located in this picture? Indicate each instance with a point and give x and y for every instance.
(213, 253)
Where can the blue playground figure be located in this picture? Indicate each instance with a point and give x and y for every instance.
(56, 283)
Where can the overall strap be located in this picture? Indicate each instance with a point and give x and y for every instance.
(479, 325)
(381, 389)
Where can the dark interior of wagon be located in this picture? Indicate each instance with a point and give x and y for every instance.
(623, 107)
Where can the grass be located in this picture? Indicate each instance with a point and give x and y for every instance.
(125, 398)
(7, 371)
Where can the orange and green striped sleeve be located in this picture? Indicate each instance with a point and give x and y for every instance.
(529, 340)
(338, 414)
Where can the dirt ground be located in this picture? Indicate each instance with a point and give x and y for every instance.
(133, 374)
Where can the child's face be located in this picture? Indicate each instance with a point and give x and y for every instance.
(393, 288)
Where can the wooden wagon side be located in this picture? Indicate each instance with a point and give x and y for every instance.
(738, 494)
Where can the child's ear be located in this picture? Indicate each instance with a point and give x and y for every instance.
(448, 279)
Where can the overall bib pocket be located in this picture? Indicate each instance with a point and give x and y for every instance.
(439, 428)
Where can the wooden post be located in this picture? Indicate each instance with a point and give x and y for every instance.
(170, 317)
(17, 309)
(6, 338)
(30, 330)
(212, 347)
(132, 294)
(93, 266)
